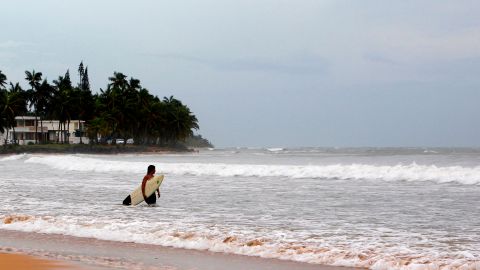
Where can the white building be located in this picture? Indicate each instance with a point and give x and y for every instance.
(48, 130)
(2, 138)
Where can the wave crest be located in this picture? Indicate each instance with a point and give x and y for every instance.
(399, 172)
(14, 157)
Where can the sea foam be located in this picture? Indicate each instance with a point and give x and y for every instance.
(399, 172)
(13, 157)
(374, 256)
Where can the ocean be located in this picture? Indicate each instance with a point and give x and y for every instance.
(379, 208)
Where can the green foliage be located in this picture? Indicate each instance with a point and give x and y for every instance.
(197, 141)
(3, 80)
(3, 116)
(34, 94)
(127, 110)
(123, 110)
(12, 103)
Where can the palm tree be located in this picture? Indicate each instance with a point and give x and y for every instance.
(45, 94)
(63, 103)
(118, 81)
(3, 80)
(12, 104)
(119, 104)
(34, 78)
(16, 88)
(107, 107)
(144, 115)
(180, 120)
(3, 116)
(3, 98)
(131, 109)
(124, 109)
(84, 107)
(85, 104)
(15, 104)
(20, 97)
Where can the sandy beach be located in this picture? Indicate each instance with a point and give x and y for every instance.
(20, 261)
(88, 253)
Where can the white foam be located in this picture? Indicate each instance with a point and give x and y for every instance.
(82, 163)
(375, 256)
(14, 157)
(400, 172)
(275, 149)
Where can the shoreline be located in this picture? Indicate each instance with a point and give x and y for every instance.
(91, 149)
(90, 253)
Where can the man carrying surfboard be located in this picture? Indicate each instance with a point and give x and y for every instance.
(149, 185)
(150, 174)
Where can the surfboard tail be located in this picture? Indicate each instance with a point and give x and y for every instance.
(127, 201)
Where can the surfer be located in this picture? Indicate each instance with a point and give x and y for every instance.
(139, 194)
(150, 173)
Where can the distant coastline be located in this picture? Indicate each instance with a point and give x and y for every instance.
(91, 149)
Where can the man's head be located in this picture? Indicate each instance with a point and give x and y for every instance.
(151, 169)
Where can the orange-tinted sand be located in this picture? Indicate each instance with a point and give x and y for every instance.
(69, 253)
(17, 261)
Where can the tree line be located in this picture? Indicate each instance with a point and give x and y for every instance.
(124, 109)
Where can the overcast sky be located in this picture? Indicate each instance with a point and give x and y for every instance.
(273, 73)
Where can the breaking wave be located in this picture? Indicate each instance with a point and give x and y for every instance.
(399, 172)
(316, 250)
(277, 149)
(14, 157)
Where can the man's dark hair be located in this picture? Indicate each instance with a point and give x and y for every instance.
(150, 168)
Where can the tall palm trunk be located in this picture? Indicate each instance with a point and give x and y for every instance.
(36, 126)
(80, 131)
(13, 136)
(59, 131)
(41, 131)
(64, 133)
(6, 138)
(145, 135)
(68, 132)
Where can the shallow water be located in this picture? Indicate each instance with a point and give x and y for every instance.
(377, 208)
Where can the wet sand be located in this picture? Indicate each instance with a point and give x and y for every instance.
(23, 262)
(88, 253)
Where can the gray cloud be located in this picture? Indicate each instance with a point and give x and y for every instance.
(379, 58)
(305, 64)
(11, 44)
(293, 65)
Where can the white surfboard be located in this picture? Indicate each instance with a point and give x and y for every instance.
(136, 196)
